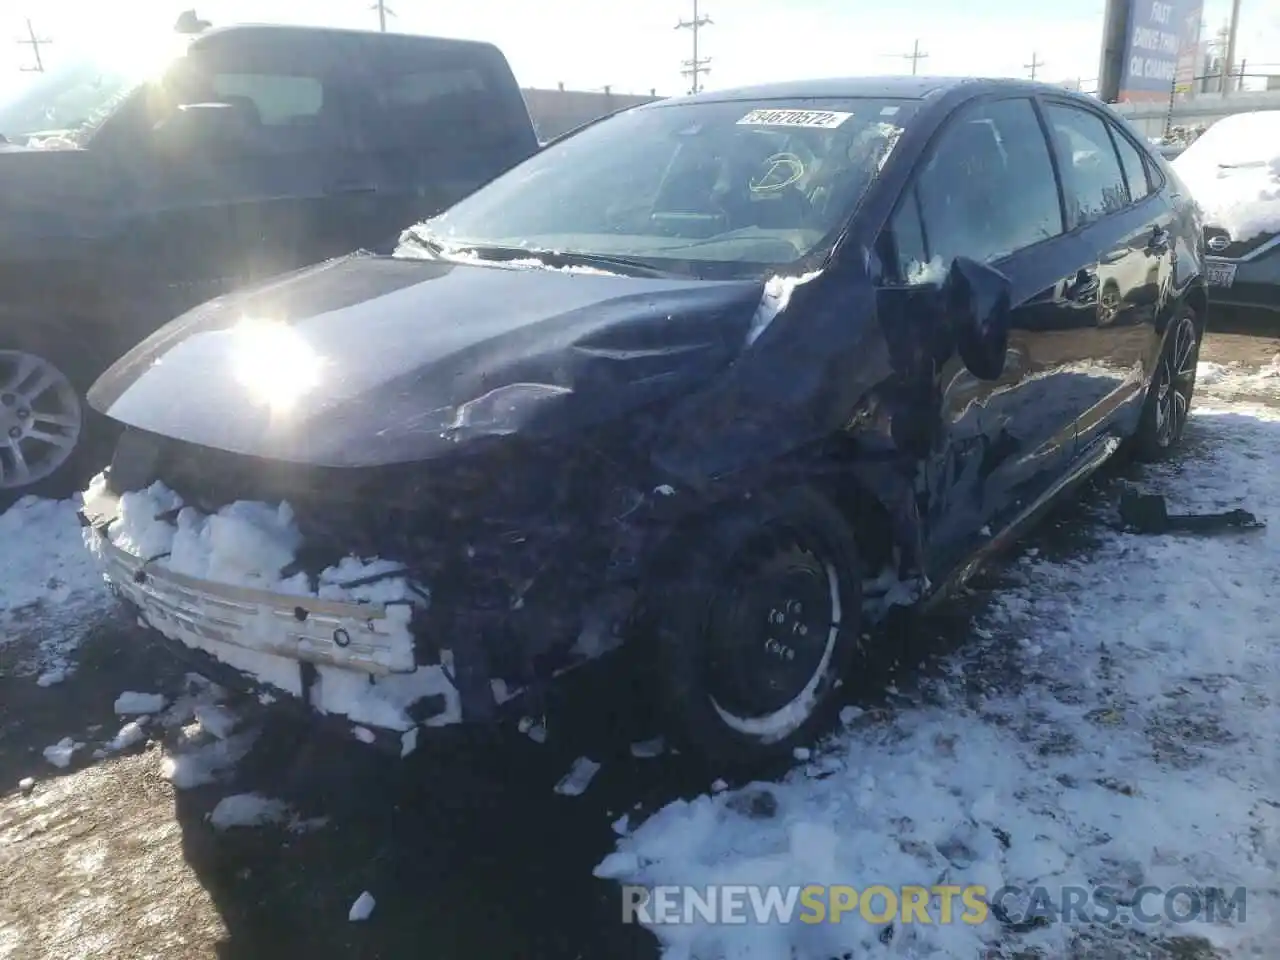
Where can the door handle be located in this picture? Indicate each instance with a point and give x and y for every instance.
(1159, 242)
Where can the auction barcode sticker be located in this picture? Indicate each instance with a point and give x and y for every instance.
(823, 119)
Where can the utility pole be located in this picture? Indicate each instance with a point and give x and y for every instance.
(35, 43)
(383, 10)
(1231, 46)
(915, 56)
(695, 67)
(1034, 65)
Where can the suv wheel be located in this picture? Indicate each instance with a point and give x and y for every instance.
(42, 421)
(756, 622)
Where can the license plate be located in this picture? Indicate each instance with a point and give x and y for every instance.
(1221, 274)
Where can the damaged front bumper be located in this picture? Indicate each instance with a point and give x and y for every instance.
(354, 660)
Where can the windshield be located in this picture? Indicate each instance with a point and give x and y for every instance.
(68, 101)
(702, 188)
(1242, 140)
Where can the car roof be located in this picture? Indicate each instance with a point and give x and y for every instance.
(269, 30)
(889, 87)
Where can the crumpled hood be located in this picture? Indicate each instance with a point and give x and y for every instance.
(365, 360)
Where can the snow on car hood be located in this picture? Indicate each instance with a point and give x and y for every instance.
(365, 360)
(1233, 171)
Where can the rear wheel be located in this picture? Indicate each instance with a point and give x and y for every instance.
(1168, 404)
(756, 622)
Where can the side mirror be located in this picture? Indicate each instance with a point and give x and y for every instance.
(977, 302)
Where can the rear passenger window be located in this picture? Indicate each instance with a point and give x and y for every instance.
(451, 101)
(1135, 170)
(987, 191)
(1092, 180)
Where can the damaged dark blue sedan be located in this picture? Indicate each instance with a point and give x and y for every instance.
(724, 377)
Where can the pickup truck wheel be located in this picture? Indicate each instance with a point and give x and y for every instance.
(42, 422)
(1168, 403)
(756, 621)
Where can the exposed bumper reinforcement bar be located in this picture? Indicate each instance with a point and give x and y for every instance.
(353, 636)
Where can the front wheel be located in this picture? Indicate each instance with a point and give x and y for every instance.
(1168, 404)
(42, 422)
(757, 618)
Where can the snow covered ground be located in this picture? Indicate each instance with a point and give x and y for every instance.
(50, 588)
(1136, 741)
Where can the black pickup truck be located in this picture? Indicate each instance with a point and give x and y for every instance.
(129, 195)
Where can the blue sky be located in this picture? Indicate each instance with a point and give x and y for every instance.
(633, 46)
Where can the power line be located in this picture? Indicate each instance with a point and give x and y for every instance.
(915, 56)
(1034, 65)
(695, 67)
(35, 43)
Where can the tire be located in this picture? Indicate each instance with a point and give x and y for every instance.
(757, 616)
(46, 447)
(1168, 402)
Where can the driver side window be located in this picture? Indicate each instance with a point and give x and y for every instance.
(987, 190)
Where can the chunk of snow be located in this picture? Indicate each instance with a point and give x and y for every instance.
(665, 490)
(26, 785)
(362, 908)
(50, 677)
(777, 294)
(647, 749)
(575, 782)
(718, 786)
(801, 753)
(408, 742)
(129, 735)
(216, 719)
(131, 703)
(59, 754)
(532, 729)
(247, 810)
(363, 734)
(1233, 172)
(189, 766)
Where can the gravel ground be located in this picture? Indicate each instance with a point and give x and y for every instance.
(465, 847)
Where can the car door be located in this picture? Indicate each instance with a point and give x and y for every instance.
(1126, 229)
(987, 190)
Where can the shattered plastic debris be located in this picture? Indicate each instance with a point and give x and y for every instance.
(575, 782)
(131, 703)
(59, 754)
(362, 908)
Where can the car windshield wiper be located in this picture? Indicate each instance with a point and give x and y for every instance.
(572, 258)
